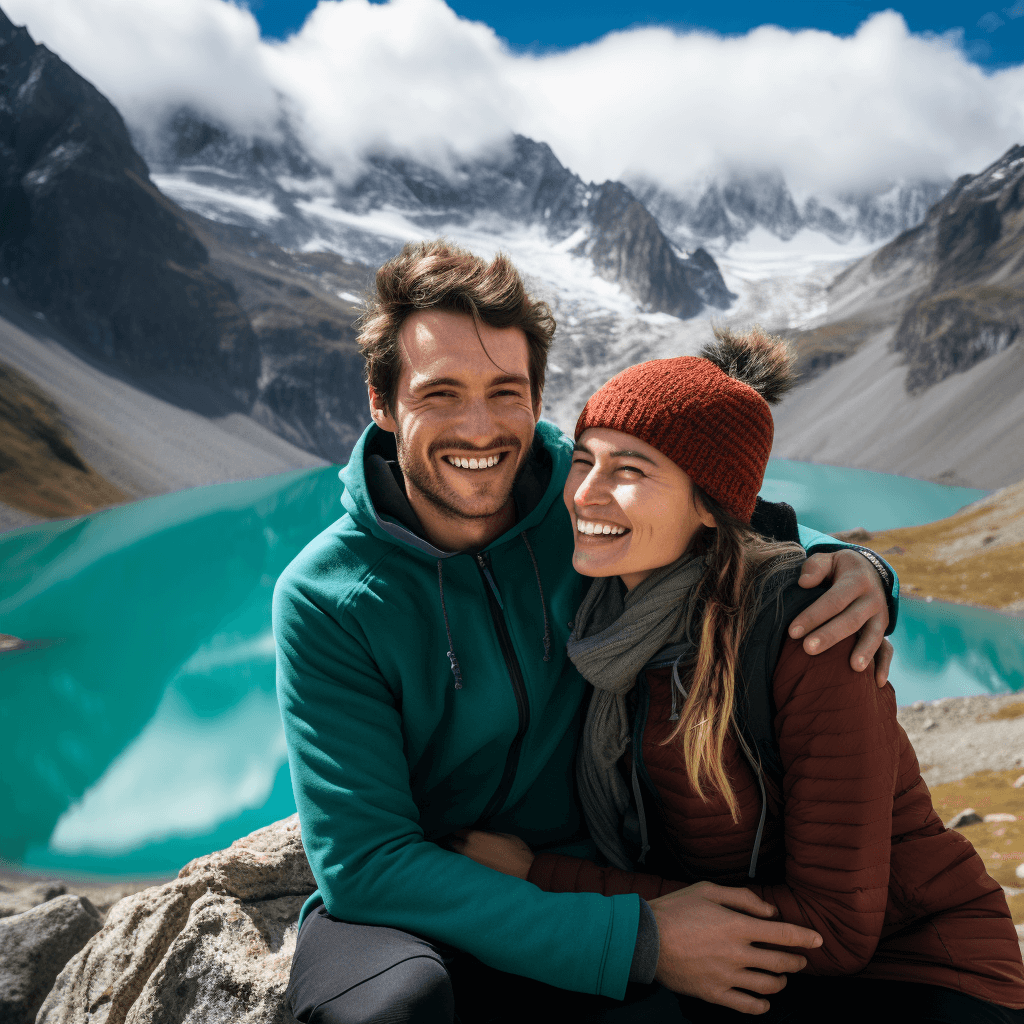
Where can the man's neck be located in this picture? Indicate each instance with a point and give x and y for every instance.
(453, 533)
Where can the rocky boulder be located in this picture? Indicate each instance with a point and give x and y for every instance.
(214, 944)
(36, 945)
(29, 896)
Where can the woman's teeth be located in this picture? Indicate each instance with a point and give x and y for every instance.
(491, 460)
(592, 529)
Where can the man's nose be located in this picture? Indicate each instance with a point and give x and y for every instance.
(478, 422)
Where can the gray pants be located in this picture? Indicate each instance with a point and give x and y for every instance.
(353, 973)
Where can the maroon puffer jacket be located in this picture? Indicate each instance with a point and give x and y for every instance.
(865, 859)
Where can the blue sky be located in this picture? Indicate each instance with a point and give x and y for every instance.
(993, 37)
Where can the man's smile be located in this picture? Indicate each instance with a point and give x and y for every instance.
(477, 462)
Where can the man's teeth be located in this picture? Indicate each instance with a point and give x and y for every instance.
(591, 529)
(491, 460)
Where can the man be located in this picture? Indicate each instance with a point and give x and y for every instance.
(424, 689)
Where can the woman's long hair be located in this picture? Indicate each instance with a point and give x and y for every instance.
(740, 566)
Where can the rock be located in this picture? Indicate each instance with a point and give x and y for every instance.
(929, 723)
(855, 536)
(28, 897)
(999, 817)
(968, 816)
(36, 945)
(1019, 872)
(1019, 781)
(214, 944)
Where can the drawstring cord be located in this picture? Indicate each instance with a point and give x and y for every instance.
(755, 766)
(677, 687)
(456, 670)
(543, 608)
(640, 815)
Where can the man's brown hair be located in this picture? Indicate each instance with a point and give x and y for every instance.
(439, 275)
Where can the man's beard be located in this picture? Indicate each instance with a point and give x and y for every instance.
(422, 475)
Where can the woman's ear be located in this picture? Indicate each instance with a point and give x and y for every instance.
(704, 515)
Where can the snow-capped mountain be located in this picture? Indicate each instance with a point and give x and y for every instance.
(721, 212)
(519, 197)
(252, 289)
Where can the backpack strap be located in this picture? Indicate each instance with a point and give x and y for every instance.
(759, 655)
(755, 704)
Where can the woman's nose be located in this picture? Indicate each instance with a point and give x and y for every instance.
(591, 490)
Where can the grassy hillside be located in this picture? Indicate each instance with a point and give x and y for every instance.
(974, 557)
(40, 471)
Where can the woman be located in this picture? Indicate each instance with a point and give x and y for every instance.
(842, 838)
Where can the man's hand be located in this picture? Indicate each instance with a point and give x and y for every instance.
(498, 850)
(855, 601)
(708, 951)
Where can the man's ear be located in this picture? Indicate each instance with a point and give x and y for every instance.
(380, 412)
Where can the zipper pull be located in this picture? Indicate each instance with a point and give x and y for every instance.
(481, 560)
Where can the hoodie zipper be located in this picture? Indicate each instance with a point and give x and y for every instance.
(515, 675)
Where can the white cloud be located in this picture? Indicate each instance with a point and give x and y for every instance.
(410, 75)
(147, 54)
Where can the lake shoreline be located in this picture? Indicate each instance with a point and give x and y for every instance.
(1003, 612)
(955, 737)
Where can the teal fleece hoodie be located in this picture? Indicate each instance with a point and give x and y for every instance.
(393, 744)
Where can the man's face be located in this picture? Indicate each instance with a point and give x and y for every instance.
(463, 414)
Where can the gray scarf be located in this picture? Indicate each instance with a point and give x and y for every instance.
(614, 636)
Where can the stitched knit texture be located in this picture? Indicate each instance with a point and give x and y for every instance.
(715, 428)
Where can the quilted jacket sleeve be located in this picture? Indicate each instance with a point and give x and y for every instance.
(840, 752)
(554, 872)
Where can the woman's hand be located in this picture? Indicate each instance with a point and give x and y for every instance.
(498, 850)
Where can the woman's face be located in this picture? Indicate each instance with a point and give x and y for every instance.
(633, 508)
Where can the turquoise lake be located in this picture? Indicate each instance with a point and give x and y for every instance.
(142, 727)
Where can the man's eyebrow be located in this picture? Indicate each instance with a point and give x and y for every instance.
(437, 382)
(454, 382)
(624, 453)
(511, 378)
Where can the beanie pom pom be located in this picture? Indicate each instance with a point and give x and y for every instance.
(756, 358)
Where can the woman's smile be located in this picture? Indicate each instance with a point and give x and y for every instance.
(594, 528)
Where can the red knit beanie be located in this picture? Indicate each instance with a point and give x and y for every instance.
(715, 428)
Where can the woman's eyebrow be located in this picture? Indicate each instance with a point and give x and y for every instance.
(627, 453)
(624, 453)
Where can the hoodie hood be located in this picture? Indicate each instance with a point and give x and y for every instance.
(374, 493)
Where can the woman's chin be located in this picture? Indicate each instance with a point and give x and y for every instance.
(587, 565)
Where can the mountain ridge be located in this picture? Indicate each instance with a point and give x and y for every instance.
(522, 183)
(724, 211)
(919, 367)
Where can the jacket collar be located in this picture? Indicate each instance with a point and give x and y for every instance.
(375, 491)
